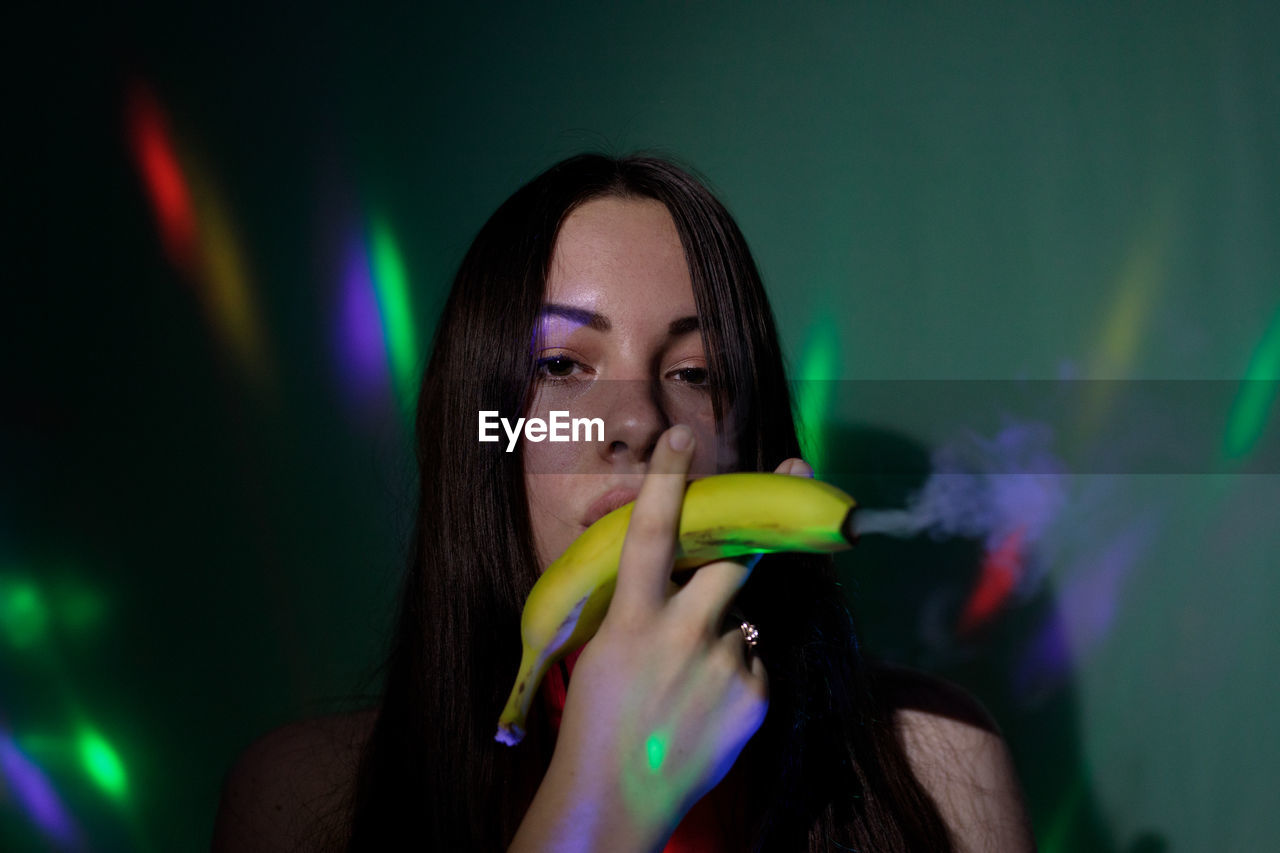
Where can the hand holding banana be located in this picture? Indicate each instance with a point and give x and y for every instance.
(662, 701)
(723, 516)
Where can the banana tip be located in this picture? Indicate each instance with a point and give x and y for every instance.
(847, 527)
(509, 734)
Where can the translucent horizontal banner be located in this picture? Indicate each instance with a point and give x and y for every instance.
(915, 426)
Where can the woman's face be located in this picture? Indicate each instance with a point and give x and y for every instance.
(619, 341)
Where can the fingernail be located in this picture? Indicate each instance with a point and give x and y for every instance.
(680, 437)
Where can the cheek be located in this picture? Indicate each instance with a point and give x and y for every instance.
(716, 452)
(544, 497)
(548, 497)
(551, 457)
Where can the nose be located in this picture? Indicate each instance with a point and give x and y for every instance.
(634, 418)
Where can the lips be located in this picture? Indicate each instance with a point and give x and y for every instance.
(607, 503)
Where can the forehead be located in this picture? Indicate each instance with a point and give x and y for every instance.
(620, 255)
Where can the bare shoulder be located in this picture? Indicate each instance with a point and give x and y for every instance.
(287, 790)
(958, 754)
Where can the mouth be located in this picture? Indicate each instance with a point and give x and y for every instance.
(607, 503)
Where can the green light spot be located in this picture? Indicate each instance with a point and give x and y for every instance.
(1064, 820)
(76, 607)
(656, 748)
(79, 609)
(391, 283)
(1257, 393)
(650, 786)
(103, 765)
(43, 748)
(23, 613)
(817, 370)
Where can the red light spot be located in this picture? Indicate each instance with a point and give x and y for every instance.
(154, 156)
(996, 580)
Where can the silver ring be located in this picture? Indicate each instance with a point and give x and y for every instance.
(749, 633)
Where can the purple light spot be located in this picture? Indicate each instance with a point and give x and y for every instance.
(36, 793)
(1091, 597)
(1088, 602)
(362, 350)
(1046, 662)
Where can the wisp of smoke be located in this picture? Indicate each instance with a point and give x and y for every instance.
(982, 489)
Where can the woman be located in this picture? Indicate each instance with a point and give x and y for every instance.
(621, 289)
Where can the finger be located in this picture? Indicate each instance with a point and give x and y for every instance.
(644, 567)
(707, 595)
(795, 467)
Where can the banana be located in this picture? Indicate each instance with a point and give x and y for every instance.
(726, 515)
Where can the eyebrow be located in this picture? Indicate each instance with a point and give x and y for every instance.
(601, 323)
(683, 326)
(581, 316)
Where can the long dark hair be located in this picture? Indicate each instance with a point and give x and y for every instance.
(825, 770)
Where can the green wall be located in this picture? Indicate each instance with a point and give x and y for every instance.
(1064, 217)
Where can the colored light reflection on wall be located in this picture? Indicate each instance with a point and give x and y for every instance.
(155, 156)
(24, 614)
(103, 764)
(392, 285)
(35, 793)
(225, 284)
(30, 612)
(377, 338)
(817, 371)
(1088, 605)
(78, 609)
(362, 352)
(1257, 395)
(998, 578)
(1116, 344)
(1058, 838)
(197, 231)
(1125, 321)
(35, 617)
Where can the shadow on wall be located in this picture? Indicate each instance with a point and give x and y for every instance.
(931, 604)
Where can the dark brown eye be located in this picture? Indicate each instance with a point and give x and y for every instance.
(556, 366)
(692, 375)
